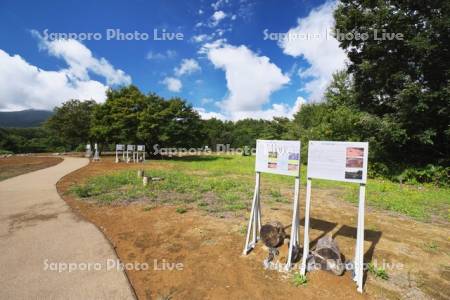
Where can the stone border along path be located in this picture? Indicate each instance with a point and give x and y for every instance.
(38, 230)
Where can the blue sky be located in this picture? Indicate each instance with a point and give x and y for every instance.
(224, 65)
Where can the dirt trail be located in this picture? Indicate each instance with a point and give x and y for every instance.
(38, 229)
(210, 249)
(17, 165)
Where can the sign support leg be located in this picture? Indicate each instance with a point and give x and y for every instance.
(359, 253)
(255, 219)
(306, 229)
(294, 224)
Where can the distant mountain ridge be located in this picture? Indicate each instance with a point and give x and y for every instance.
(24, 118)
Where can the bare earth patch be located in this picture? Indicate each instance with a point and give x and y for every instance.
(210, 248)
(17, 165)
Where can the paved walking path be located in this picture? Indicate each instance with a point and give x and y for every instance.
(38, 231)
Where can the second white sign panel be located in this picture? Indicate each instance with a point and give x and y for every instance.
(342, 161)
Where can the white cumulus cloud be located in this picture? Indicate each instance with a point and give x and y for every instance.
(205, 115)
(217, 17)
(34, 87)
(81, 62)
(276, 110)
(201, 38)
(187, 66)
(173, 84)
(161, 55)
(323, 53)
(25, 86)
(251, 79)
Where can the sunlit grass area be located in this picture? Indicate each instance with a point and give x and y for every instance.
(225, 184)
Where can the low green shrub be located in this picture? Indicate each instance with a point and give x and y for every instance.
(438, 175)
(434, 174)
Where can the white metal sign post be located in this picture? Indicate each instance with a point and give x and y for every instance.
(120, 150)
(341, 161)
(140, 153)
(276, 157)
(130, 148)
(88, 151)
(255, 219)
(96, 154)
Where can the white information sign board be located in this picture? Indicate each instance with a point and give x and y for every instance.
(130, 147)
(342, 161)
(120, 147)
(140, 148)
(278, 157)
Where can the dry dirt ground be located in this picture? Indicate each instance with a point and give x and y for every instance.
(209, 248)
(17, 165)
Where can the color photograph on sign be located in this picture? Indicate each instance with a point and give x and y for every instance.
(343, 161)
(278, 157)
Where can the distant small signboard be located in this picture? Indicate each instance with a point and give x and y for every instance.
(342, 161)
(120, 147)
(130, 147)
(278, 157)
(140, 148)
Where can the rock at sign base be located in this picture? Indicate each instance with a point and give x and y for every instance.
(272, 234)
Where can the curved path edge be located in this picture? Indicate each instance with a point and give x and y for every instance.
(41, 238)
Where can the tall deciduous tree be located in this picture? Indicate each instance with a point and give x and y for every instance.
(404, 81)
(169, 123)
(117, 120)
(71, 122)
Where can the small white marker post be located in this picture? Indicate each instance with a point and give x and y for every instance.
(96, 154)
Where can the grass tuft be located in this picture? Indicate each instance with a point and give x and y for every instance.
(299, 279)
(181, 210)
(378, 272)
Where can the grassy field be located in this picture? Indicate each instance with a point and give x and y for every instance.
(220, 184)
